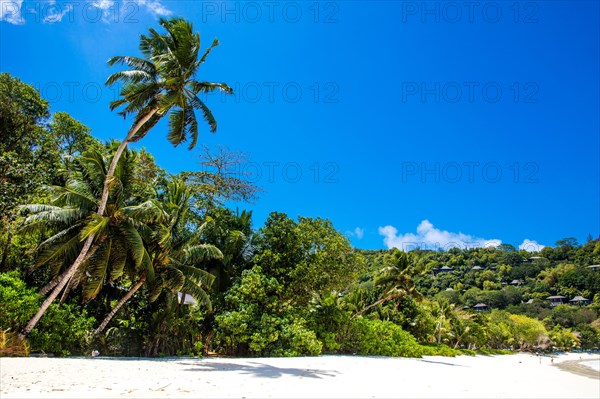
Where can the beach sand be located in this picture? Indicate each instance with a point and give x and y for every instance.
(508, 376)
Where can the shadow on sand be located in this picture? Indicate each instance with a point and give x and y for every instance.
(259, 369)
(444, 363)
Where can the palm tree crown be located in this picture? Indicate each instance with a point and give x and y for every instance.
(163, 81)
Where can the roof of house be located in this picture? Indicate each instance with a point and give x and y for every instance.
(557, 297)
(446, 268)
(578, 298)
(480, 305)
(476, 268)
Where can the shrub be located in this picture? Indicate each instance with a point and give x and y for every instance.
(258, 323)
(63, 330)
(381, 338)
(442, 350)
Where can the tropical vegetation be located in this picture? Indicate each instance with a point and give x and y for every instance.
(101, 248)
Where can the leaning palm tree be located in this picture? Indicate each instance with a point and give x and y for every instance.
(397, 280)
(161, 83)
(72, 215)
(177, 253)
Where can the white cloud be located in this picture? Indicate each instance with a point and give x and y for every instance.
(357, 232)
(360, 233)
(10, 11)
(103, 4)
(154, 7)
(531, 246)
(429, 237)
(54, 15)
(52, 11)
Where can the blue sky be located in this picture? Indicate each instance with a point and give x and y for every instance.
(405, 123)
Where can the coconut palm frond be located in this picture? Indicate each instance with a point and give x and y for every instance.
(96, 270)
(202, 252)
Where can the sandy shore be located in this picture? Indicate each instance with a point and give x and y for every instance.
(509, 376)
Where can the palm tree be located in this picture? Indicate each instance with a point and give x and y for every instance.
(233, 236)
(179, 251)
(445, 311)
(461, 327)
(72, 216)
(161, 83)
(176, 253)
(397, 280)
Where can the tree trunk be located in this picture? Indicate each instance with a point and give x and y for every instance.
(113, 312)
(113, 164)
(457, 343)
(6, 249)
(53, 283)
(181, 302)
(88, 242)
(71, 271)
(66, 291)
(379, 302)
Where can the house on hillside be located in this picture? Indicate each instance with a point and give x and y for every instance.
(556, 300)
(595, 268)
(443, 269)
(481, 307)
(579, 300)
(534, 258)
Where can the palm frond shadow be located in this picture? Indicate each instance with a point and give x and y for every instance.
(261, 370)
(444, 363)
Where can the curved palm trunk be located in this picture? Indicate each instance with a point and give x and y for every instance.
(83, 255)
(379, 302)
(53, 283)
(88, 242)
(457, 343)
(113, 164)
(119, 305)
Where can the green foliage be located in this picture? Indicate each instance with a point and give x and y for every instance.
(382, 338)
(257, 323)
(589, 336)
(24, 143)
(564, 339)
(570, 316)
(507, 330)
(63, 332)
(306, 258)
(292, 287)
(528, 333)
(443, 350)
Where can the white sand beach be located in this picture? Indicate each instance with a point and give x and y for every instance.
(508, 376)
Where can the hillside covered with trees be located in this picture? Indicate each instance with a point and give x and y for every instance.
(101, 248)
